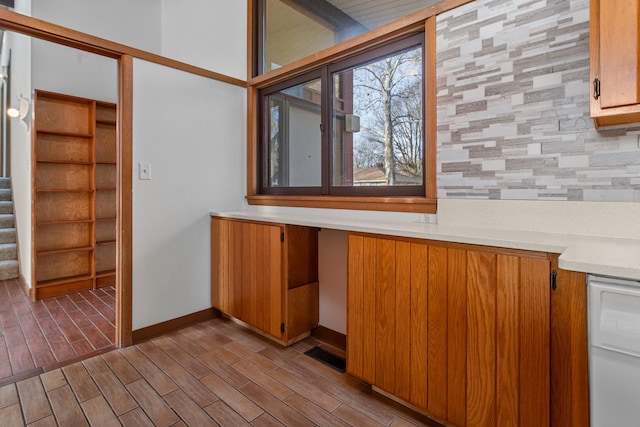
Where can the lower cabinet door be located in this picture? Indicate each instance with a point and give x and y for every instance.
(246, 273)
(460, 332)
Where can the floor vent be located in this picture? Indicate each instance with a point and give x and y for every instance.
(336, 362)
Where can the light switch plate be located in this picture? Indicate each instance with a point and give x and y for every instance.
(144, 171)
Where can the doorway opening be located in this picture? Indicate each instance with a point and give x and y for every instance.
(61, 152)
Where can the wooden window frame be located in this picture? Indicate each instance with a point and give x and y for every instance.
(326, 110)
(264, 148)
(422, 21)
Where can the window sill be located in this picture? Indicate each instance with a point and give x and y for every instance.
(391, 204)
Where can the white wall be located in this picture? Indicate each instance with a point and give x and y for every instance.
(332, 271)
(619, 220)
(134, 23)
(20, 141)
(211, 34)
(192, 132)
(61, 69)
(207, 33)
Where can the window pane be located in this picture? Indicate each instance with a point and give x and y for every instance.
(377, 122)
(294, 29)
(294, 135)
(291, 34)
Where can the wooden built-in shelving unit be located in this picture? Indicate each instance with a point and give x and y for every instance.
(74, 193)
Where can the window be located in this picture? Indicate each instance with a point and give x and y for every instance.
(292, 138)
(341, 116)
(354, 127)
(289, 30)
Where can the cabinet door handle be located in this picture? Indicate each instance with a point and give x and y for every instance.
(596, 88)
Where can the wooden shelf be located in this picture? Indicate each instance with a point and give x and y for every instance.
(66, 149)
(105, 257)
(62, 251)
(75, 179)
(106, 279)
(64, 162)
(62, 190)
(61, 133)
(105, 232)
(106, 176)
(61, 265)
(63, 206)
(62, 236)
(105, 273)
(106, 143)
(105, 113)
(62, 280)
(78, 221)
(105, 204)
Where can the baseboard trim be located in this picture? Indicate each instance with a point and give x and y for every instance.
(50, 291)
(330, 336)
(23, 283)
(149, 332)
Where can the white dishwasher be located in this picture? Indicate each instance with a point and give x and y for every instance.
(614, 351)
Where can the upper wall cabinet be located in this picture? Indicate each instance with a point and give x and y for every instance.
(615, 62)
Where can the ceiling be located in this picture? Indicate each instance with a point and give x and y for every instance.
(375, 13)
(298, 28)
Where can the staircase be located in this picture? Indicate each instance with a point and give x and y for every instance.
(8, 250)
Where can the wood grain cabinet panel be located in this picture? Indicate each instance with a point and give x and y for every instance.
(465, 333)
(419, 337)
(266, 275)
(355, 306)
(615, 61)
(403, 320)
(481, 338)
(437, 326)
(457, 337)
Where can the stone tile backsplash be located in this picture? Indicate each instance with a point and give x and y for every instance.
(513, 107)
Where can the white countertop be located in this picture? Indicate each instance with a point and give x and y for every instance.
(598, 255)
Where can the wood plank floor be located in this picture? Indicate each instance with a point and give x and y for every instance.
(38, 335)
(213, 373)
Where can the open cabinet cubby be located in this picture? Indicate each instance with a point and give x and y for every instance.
(75, 179)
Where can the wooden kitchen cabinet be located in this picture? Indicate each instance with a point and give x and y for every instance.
(266, 275)
(615, 62)
(470, 335)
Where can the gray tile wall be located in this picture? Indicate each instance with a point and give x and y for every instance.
(513, 107)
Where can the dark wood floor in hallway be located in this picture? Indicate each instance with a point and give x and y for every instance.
(36, 336)
(212, 373)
